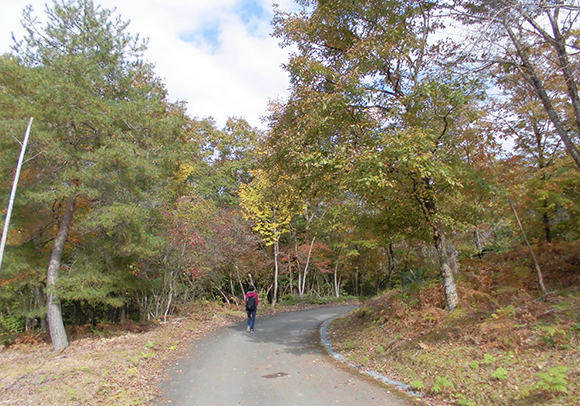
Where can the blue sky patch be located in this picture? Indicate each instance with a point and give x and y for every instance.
(252, 13)
(250, 10)
(207, 34)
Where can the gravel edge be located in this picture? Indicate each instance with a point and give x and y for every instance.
(327, 343)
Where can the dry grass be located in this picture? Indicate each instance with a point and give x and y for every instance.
(116, 364)
(488, 351)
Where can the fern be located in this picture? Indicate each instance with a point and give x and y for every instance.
(417, 385)
(441, 383)
(555, 380)
(488, 359)
(501, 373)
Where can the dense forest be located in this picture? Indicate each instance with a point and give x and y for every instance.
(417, 134)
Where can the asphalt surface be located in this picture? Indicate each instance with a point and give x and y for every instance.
(281, 364)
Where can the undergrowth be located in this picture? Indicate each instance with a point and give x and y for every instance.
(504, 344)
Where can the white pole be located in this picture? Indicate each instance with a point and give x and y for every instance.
(13, 193)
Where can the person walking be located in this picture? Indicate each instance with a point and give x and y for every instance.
(251, 307)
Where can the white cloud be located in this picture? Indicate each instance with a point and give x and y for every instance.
(233, 77)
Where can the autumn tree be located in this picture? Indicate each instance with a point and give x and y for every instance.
(271, 206)
(543, 162)
(539, 41)
(373, 110)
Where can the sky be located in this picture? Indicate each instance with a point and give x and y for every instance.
(218, 55)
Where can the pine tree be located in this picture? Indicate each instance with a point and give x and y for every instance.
(105, 146)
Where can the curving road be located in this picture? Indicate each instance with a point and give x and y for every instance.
(281, 364)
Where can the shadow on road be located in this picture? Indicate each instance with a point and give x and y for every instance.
(295, 333)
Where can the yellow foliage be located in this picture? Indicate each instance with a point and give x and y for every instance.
(271, 205)
(183, 171)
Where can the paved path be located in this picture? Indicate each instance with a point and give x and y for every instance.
(281, 364)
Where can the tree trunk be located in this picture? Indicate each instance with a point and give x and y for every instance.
(123, 314)
(306, 266)
(30, 322)
(445, 268)
(240, 280)
(533, 254)
(547, 229)
(452, 253)
(290, 272)
(478, 244)
(224, 295)
(143, 308)
(39, 300)
(53, 308)
(391, 264)
(232, 288)
(300, 291)
(170, 299)
(275, 293)
(336, 286)
(446, 261)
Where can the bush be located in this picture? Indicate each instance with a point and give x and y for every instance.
(12, 324)
(289, 299)
(313, 299)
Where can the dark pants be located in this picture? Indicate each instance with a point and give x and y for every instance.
(251, 318)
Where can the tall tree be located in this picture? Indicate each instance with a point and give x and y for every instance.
(105, 137)
(372, 109)
(520, 116)
(510, 34)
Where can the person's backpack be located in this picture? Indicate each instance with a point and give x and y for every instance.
(251, 303)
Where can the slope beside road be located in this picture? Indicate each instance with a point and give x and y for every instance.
(281, 364)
